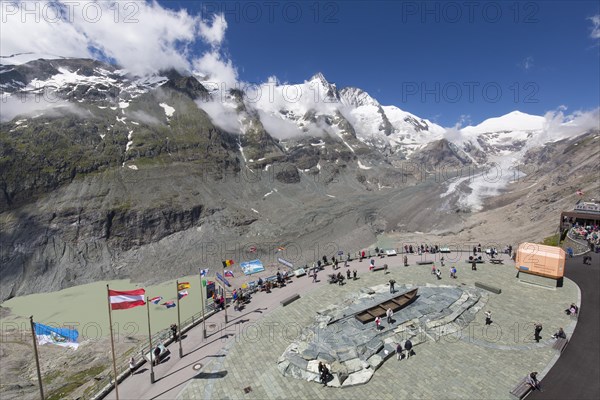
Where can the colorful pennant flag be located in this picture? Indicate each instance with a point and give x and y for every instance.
(182, 294)
(63, 337)
(169, 304)
(204, 272)
(155, 300)
(229, 273)
(227, 263)
(183, 285)
(124, 299)
(252, 249)
(280, 248)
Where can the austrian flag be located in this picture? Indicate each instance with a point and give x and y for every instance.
(121, 300)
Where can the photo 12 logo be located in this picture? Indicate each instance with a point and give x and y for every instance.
(470, 91)
(469, 11)
(326, 12)
(54, 12)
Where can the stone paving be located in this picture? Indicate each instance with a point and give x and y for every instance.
(474, 361)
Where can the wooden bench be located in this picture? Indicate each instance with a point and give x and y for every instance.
(560, 344)
(496, 261)
(424, 262)
(490, 288)
(290, 299)
(476, 261)
(381, 268)
(521, 390)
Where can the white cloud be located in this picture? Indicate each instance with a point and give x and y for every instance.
(527, 63)
(279, 128)
(222, 115)
(142, 37)
(33, 106)
(560, 125)
(217, 70)
(213, 33)
(595, 31)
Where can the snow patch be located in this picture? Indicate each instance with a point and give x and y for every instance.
(169, 111)
(362, 166)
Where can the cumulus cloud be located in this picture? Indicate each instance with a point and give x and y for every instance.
(222, 115)
(595, 30)
(142, 37)
(217, 70)
(560, 125)
(214, 32)
(279, 128)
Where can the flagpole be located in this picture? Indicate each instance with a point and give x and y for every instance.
(224, 293)
(202, 300)
(179, 322)
(150, 342)
(37, 360)
(112, 341)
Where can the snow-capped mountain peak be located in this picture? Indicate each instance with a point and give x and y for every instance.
(352, 96)
(513, 121)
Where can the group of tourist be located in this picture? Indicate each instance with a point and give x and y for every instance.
(406, 350)
(589, 233)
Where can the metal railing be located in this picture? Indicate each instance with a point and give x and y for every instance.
(104, 386)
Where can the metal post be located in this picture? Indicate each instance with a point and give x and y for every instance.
(112, 342)
(37, 360)
(152, 380)
(179, 322)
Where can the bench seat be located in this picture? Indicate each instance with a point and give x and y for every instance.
(560, 344)
(521, 390)
(290, 299)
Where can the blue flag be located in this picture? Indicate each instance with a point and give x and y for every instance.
(59, 336)
(225, 281)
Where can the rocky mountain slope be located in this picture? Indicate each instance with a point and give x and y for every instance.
(107, 175)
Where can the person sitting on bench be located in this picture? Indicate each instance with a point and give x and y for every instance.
(532, 381)
(560, 334)
(572, 310)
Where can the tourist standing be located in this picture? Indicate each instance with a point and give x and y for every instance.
(405, 261)
(408, 348)
(398, 351)
(389, 314)
(131, 365)
(377, 323)
(474, 265)
(488, 317)
(354, 274)
(392, 283)
(537, 330)
(315, 277)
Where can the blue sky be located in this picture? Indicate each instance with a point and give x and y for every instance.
(438, 60)
(450, 62)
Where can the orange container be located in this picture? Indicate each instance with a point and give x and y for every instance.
(539, 259)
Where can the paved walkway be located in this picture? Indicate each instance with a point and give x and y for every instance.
(241, 356)
(576, 375)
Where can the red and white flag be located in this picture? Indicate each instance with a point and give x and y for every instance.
(121, 300)
(579, 193)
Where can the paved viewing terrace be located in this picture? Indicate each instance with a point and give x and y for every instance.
(239, 359)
